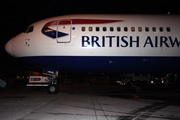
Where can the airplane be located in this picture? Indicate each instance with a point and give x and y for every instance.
(101, 43)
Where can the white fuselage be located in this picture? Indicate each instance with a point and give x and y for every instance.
(96, 36)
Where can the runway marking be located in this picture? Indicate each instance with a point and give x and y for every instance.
(30, 112)
(101, 109)
(149, 112)
(94, 108)
(145, 112)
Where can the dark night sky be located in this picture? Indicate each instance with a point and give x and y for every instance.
(18, 14)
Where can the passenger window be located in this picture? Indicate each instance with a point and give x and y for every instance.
(132, 29)
(147, 29)
(168, 29)
(125, 29)
(97, 28)
(118, 29)
(111, 29)
(90, 28)
(24, 31)
(140, 29)
(154, 29)
(104, 29)
(161, 29)
(30, 29)
(83, 28)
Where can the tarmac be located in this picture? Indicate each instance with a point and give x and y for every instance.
(80, 102)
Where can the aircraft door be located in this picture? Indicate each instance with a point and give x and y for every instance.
(64, 31)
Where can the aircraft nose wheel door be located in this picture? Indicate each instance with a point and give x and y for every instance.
(63, 31)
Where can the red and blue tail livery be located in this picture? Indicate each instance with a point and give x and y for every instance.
(53, 33)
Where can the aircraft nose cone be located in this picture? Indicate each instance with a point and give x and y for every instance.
(8, 47)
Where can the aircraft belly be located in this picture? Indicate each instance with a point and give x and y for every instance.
(106, 63)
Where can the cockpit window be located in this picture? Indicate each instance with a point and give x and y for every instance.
(24, 31)
(28, 29)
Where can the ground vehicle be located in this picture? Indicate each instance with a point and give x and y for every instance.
(43, 81)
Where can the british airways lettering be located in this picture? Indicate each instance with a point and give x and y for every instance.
(129, 41)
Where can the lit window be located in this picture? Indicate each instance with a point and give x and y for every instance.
(97, 28)
(140, 29)
(147, 29)
(161, 29)
(168, 29)
(111, 29)
(104, 29)
(48, 30)
(132, 29)
(125, 29)
(118, 29)
(154, 29)
(83, 29)
(90, 28)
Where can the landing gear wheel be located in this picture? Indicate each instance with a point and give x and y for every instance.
(53, 89)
